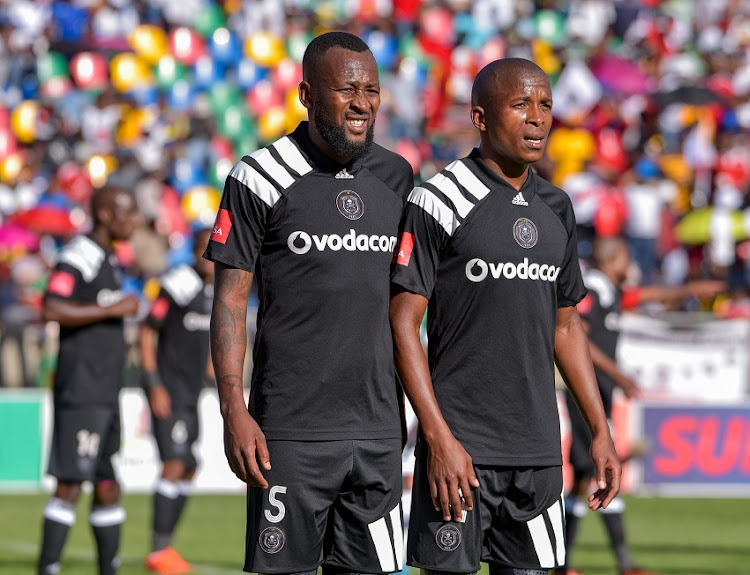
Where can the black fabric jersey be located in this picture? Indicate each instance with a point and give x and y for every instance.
(182, 315)
(601, 308)
(91, 357)
(320, 239)
(495, 263)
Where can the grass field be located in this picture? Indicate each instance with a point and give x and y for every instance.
(669, 536)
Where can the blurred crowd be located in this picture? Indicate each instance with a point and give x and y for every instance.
(651, 104)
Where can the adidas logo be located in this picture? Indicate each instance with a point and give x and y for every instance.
(518, 200)
(344, 175)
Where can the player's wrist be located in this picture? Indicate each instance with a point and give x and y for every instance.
(150, 380)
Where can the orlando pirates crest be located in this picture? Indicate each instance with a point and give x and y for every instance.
(448, 537)
(271, 539)
(350, 205)
(525, 233)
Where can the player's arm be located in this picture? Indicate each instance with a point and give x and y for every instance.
(158, 396)
(77, 314)
(244, 442)
(574, 362)
(701, 289)
(609, 367)
(449, 465)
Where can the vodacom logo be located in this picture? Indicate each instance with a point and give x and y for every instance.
(478, 270)
(300, 242)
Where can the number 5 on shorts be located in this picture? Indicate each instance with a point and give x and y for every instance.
(281, 510)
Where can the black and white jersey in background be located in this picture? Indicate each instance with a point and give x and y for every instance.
(91, 357)
(496, 264)
(182, 315)
(320, 240)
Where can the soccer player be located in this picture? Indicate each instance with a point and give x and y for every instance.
(174, 358)
(314, 217)
(600, 311)
(84, 296)
(490, 247)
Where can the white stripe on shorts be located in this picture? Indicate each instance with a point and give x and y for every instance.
(383, 544)
(556, 518)
(398, 536)
(542, 543)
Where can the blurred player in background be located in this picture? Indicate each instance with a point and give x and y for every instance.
(314, 217)
(600, 311)
(491, 247)
(174, 359)
(85, 297)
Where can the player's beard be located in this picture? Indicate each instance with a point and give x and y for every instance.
(335, 136)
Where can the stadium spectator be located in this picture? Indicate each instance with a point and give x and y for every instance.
(491, 247)
(84, 296)
(174, 355)
(314, 217)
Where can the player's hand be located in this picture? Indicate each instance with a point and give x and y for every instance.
(706, 289)
(126, 306)
(629, 387)
(245, 447)
(160, 402)
(608, 471)
(451, 475)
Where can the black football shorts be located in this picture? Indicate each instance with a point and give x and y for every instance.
(84, 439)
(176, 435)
(518, 521)
(335, 503)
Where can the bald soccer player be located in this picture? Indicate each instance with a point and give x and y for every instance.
(489, 248)
(85, 297)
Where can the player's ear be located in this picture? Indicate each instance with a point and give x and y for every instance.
(305, 97)
(477, 118)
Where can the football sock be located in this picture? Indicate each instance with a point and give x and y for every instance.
(613, 520)
(105, 522)
(59, 516)
(575, 510)
(168, 505)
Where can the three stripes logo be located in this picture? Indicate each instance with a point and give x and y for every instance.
(519, 200)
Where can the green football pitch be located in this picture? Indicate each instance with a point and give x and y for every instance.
(669, 536)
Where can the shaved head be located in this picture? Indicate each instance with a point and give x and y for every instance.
(496, 75)
(605, 249)
(115, 213)
(107, 198)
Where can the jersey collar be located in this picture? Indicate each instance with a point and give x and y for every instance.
(320, 161)
(480, 168)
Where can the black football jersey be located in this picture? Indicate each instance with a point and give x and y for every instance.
(495, 263)
(182, 315)
(91, 357)
(320, 239)
(601, 308)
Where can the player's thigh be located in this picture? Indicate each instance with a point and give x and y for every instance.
(79, 440)
(444, 546)
(366, 534)
(527, 530)
(286, 523)
(176, 434)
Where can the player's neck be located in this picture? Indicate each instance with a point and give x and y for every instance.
(101, 237)
(513, 173)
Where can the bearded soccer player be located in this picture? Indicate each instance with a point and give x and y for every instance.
(174, 357)
(314, 219)
(84, 296)
(489, 248)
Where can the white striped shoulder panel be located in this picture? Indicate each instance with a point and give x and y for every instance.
(292, 156)
(446, 185)
(468, 180)
(431, 204)
(273, 168)
(85, 255)
(183, 284)
(255, 182)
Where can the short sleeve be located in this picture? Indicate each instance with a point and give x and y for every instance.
(421, 242)
(246, 204)
(64, 282)
(157, 313)
(570, 286)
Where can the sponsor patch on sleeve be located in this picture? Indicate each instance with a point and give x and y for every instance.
(222, 227)
(61, 283)
(159, 308)
(405, 247)
(584, 306)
